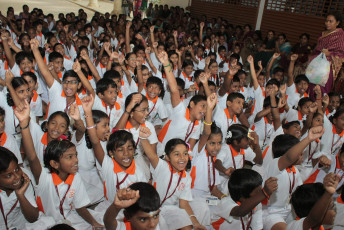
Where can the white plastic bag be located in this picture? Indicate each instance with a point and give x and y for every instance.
(318, 70)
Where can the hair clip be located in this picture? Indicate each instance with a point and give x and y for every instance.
(188, 145)
(62, 137)
(114, 130)
(229, 134)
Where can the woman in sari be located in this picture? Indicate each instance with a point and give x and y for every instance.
(283, 47)
(331, 43)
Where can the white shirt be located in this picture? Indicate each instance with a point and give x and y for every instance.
(264, 131)
(76, 196)
(204, 171)
(157, 111)
(294, 96)
(112, 172)
(161, 178)
(179, 126)
(223, 120)
(223, 210)
(8, 142)
(15, 218)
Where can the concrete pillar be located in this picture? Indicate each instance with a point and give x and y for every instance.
(260, 14)
(93, 4)
(117, 7)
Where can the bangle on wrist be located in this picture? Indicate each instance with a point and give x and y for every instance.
(192, 216)
(126, 112)
(207, 123)
(318, 99)
(92, 127)
(27, 126)
(223, 196)
(273, 107)
(265, 194)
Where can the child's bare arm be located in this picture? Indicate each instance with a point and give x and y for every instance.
(136, 99)
(293, 59)
(8, 79)
(87, 104)
(148, 149)
(124, 198)
(74, 113)
(253, 72)
(289, 158)
(8, 52)
(22, 112)
(318, 211)
(84, 55)
(83, 79)
(250, 203)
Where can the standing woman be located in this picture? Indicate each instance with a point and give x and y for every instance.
(331, 43)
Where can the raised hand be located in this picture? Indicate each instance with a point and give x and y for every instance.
(8, 77)
(260, 65)
(128, 25)
(315, 133)
(84, 55)
(317, 90)
(175, 33)
(76, 66)
(155, 45)
(229, 171)
(326, 99)
(148, 50)
(234, 67)
(276, 55)
(163, 58)
(281, 103)
(74, 112)
(34, 44)
(125, 198)
(294, 57)
(138, 36)
(136, 99)
(87, 103)
(211, 101)
(25, 185)
(22, 111)
(331, 182)
(144, 132)
(313, 108)
(270, 185)
(250, 59)
(283, 89)
(201, 24)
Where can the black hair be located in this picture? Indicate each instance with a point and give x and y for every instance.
(20, 56)
(235, 56)
(282, 143)
(61, 227)
(232, 96)
(197, 98)
(287, 125)
(301, 77)
(37, 23)
(119, 138)
(138, 48)
(333, 94)
(16, 82)
(2, 112)
(337, 114)
(277, 70)
(238, 133)
(54, 151)
(306, 35)
(235, 79)
(171, 144)
(97, 117)
(104, 84)
(267, 101)
(180, 83)
(214, 129)
(187, 63)
(70, 73)
(305, 197)
(158, 82)
(303, 101)
(6, 157)
(197, 73)
(221, 47)
(30, 74)
(273, 81)
(57, 44)
(128, 99)
(112, 74)
(149, 200)
(52, 116)
(55, 55)
(242, 182)
(211, 83)
(337, 15)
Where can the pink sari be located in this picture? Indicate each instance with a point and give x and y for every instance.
(334, 43)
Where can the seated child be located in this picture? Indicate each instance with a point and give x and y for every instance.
(242, 208)
(17, 198)
(313, 204)
(141, 204)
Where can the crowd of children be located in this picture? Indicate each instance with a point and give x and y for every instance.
(167, 122)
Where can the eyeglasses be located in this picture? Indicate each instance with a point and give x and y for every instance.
(65, 82)
(143, 110)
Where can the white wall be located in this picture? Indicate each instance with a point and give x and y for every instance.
(181, 3)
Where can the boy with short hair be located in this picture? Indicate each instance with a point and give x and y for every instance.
(105, 100)
(38, 26)
(313, 204)
(333, 104)
(242, 208)
(141, 203)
